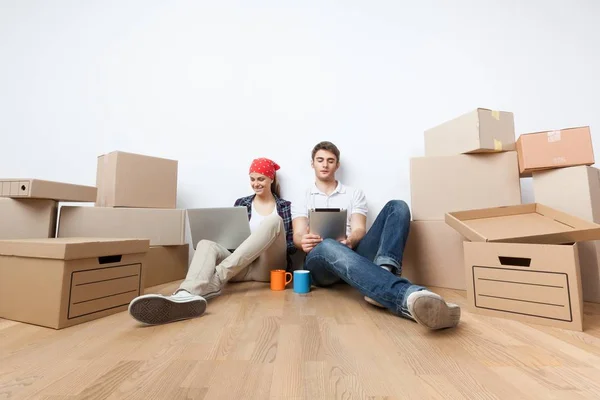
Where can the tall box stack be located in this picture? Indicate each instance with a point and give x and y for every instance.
(470, 162)
(136, 198)
(537, 262)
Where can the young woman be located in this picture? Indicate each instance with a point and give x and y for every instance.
(268, 247)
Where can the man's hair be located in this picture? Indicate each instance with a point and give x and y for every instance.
(328, 146)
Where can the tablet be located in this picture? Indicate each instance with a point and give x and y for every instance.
(329, 223)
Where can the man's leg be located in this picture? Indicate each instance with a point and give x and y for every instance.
(189, 300)
(395, 293)
(385, 241)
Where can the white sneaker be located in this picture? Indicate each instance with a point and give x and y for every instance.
(213, 288)
(153, 309)
(430, 310)
(370, 300)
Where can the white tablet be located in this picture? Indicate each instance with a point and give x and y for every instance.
(329, 223)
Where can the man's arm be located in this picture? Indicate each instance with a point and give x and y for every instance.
(358, 225)
(300, 226)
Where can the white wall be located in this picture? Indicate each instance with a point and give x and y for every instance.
(217, 83)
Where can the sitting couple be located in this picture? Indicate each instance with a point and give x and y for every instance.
(369, 261)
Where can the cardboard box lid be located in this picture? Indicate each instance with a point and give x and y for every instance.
(525, 223)
(72, 248)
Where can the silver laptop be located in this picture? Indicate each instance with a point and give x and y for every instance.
(227, 226)
(329, 223)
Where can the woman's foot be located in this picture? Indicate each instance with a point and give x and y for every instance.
(154, 309)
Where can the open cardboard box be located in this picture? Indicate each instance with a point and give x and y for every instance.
(522, 262)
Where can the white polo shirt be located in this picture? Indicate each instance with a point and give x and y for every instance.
(343, 197)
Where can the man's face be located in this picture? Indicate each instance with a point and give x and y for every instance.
(325, 164)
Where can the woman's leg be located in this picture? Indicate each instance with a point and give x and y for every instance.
(270, 233)
(208, 254)
(189, 301)
(273, 257)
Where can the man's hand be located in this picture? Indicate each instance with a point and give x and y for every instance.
(309, 241)
(347, 242)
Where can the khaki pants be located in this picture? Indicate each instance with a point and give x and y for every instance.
(264, 250)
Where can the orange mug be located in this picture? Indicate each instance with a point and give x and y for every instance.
(279, 279)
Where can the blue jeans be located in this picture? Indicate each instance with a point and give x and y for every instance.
(331, 262)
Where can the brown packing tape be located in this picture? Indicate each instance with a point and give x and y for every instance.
(496, 115)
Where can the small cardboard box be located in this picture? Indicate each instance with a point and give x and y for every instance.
(69, 281)
(48, 190)
(470, 181)
(135, 180)
(554, 149)
(478, 131)
(523, 263)
(164, 264)
(576, 190)
(27, 218)
(163, 227)
(434, 255)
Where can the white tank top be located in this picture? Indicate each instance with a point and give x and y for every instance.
(256, 219)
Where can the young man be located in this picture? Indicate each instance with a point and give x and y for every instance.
(369, 261)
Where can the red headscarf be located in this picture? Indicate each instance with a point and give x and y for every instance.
(264, 166)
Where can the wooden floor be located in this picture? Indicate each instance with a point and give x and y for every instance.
(329, 344)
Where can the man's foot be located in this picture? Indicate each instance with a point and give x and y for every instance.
(370, 300)
(430, 310)
(154, 309)
(213, 288)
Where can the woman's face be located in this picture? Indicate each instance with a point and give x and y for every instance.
(260, 183)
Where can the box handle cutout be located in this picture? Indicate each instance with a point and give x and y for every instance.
(515, 261)
(109, 259)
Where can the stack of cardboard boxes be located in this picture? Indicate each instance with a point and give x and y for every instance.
(470, 162)
(60, 282)
(519, 261)
(65, 266)
(136, 198)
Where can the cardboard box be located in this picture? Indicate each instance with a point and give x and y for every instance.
(576, 190)
(27, 219)
(523, 263)
(163, 227)
(554, 149)
(164, 264)
(478, 131)
(63, 282)
(49, 190)
(531, 283)
(434, 255)
(134, 180)
(469, 181)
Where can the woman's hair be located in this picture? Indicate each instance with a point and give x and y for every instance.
(275, 189)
